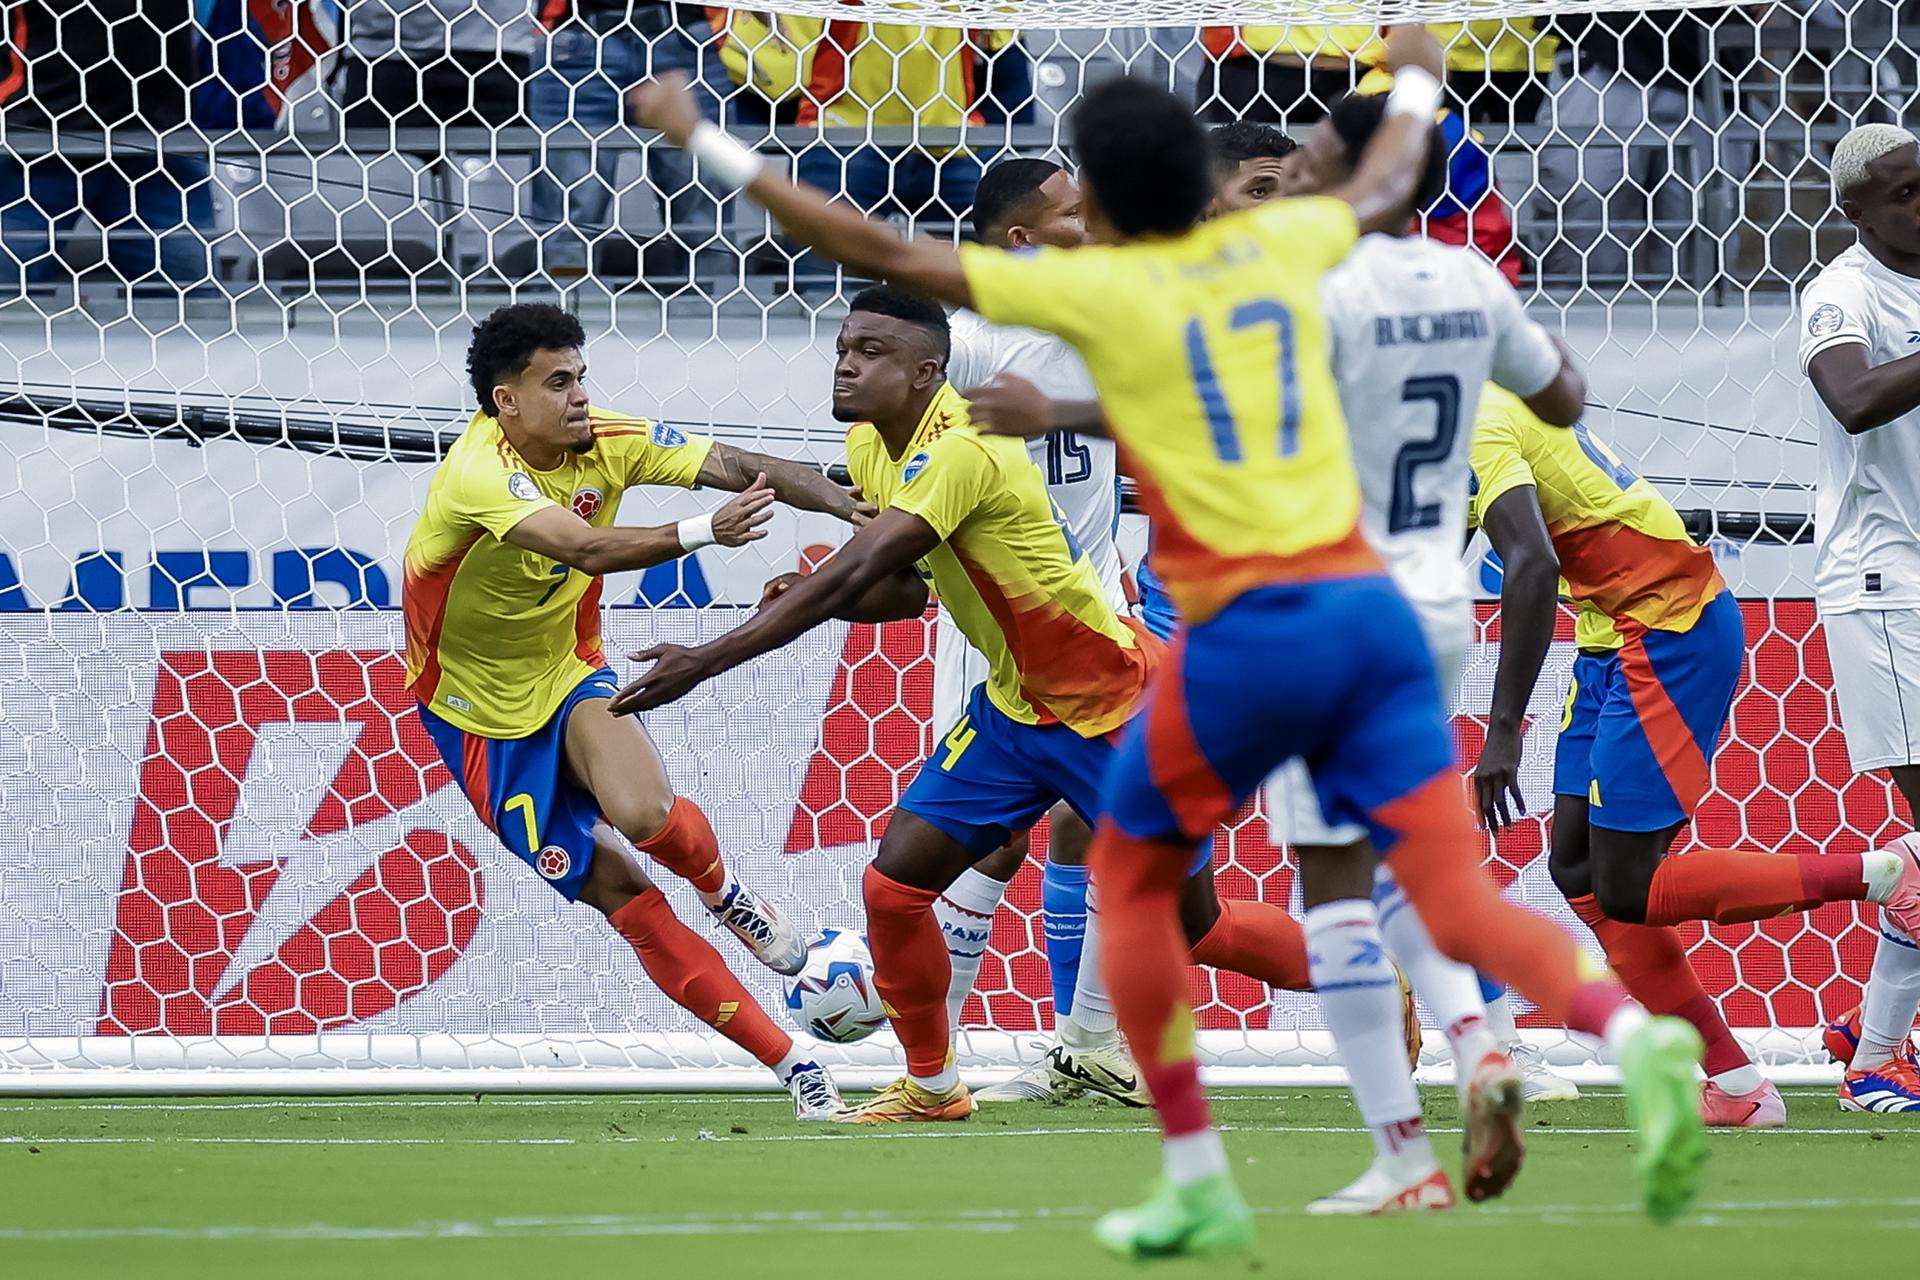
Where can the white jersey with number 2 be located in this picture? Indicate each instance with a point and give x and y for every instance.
(1416, 328)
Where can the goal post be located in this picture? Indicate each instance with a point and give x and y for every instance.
(229, 858)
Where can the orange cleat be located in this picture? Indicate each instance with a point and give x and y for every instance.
(1842, 1038)
(1494, 1149)
(904, 1102)
(1409, 1019)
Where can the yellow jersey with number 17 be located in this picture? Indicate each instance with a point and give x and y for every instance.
(1209, 353)
(1009, 570)
(497, 637)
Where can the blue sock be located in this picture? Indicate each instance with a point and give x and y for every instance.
(1490, 990)
(1063, 909)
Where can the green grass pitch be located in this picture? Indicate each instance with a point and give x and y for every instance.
(717, 1187)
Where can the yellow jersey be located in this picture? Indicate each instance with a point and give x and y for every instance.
(1626, 558)
(1209, 352)
(498, 636)
(1009, 572)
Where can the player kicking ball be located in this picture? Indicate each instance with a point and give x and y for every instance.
(502, 605)
(1206, 346)
(1858, 320)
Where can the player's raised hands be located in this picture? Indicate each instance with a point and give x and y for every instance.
(741, 520)
(1411, 45)
(1008, 405)
(676, 672)
(668, 105)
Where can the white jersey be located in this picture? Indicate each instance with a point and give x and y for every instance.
(1866, 512)
(1416, 329)
(1082, 478)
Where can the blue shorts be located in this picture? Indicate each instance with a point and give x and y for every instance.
(1336, 672)
(1156, 610)
(991, 776)
(1642, 723)
(521, 789)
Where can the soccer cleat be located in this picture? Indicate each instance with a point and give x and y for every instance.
(1764, 1108)
(815, 1096)
(1842, 1040)
(1538, 1083)
(1903, 904)
(1492, 1143)
(1657, 1065)
(904, 1102)
(1032, 1083)
(752, 919)
(1409, 1019)
(1889, 1090)
(1380, 1191)
(1201, 1218)
(1104, 1070)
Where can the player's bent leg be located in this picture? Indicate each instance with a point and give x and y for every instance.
(613, 758)
(1257, 939)
(965, 911)
(691, 973)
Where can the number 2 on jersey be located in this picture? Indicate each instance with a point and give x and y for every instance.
(1225, 432)
(1442, 391)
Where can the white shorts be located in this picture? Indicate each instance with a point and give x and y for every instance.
(1876, 676)
(1293, 807)
(957, 667)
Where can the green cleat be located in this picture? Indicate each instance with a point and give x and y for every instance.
(1206, 1217)
(1663, 1104)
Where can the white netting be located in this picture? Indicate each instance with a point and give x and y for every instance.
(239, 262)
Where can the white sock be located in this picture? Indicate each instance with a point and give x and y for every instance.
(1449, 989)
(1893, 995)
(1740, 1081)
(1092, 1021)
(965, 912)
(1500, 1019)
(1192, 1157)
(795, 1055)
(941, 1082)
(1361, 998)
(1880, 868)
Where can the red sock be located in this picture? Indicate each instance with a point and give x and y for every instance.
(687, 847)
(1436, 859)
(1653, 964)
(1728, 887)
(1144, 957)
(910, 968)
(685, 966)
(1260, 940)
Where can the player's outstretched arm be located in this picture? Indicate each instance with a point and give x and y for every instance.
(1389, 169)
(1008, 405)
(794, 483)
(1563, 401)
(1862, 397)
(892, 542)
(560, 535)
(835, 231)
(1529, 602)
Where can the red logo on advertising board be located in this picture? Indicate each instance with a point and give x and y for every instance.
(285, 873)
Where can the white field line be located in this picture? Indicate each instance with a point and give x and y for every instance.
(994, 1221)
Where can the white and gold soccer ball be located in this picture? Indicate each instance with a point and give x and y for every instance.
(833, 996)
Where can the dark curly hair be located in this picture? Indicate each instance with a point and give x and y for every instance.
(1356, 117)
(1232, 145)
(1144, 156)
(914, 310)
(503, 344)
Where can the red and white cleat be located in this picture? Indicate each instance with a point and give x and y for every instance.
(1903, 904)
(1764, 1108)
(1894, 1088)
(1380, 1190)
(1494, 1150)
(1842, 1039)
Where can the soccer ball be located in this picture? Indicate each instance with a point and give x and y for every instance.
(833, 996)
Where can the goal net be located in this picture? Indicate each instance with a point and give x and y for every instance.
(235, 294)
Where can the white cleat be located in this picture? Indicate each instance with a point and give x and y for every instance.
(752, 919)
(815, 1096)
(1032, 1083)
(1104, 1070)
(1538, 1083)
(1380, 1191)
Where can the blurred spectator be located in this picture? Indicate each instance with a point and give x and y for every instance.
(1497, 68)
(1629, 111)
(762, 54)
(1281, 75)
(866, 76)
(153, 206)
(429, 64)
(596, 50)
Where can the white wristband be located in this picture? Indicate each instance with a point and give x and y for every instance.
(724, 157)
(1415, 93)
(696, 532)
